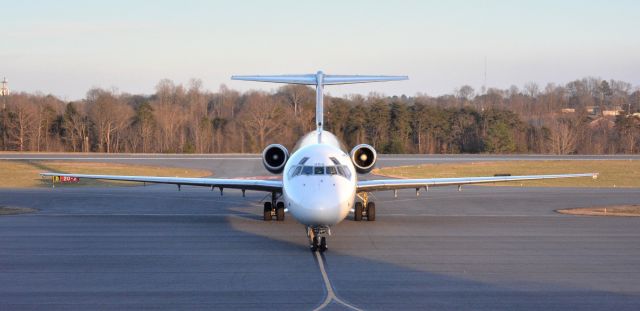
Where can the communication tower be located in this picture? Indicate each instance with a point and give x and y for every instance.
(4, 91)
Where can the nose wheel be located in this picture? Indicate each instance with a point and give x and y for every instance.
(317, 238)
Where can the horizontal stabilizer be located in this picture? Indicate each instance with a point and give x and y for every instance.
(311, 79)
(335, 79)
(290, 79)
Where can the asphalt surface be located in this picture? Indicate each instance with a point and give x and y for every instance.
(485, 248)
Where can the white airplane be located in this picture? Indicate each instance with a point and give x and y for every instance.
(319, 186)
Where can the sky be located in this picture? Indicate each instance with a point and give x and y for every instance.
(66, 47)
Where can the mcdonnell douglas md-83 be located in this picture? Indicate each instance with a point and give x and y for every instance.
(319, 185)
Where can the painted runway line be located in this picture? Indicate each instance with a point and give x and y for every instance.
(331, 295)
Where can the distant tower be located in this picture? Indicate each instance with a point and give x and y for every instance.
(4, 91)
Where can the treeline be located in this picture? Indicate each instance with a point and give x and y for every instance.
(559, 119)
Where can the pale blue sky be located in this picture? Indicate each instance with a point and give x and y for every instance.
(67, 47)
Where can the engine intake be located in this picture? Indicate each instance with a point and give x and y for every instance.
(364, 158)
(274, 157)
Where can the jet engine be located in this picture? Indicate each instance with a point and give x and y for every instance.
(364, 158)
(274, 157)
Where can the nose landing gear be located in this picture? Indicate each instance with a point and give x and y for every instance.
(317, 240)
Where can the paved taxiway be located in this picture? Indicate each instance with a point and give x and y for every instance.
(154, 247)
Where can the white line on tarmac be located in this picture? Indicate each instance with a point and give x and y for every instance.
(331, 295)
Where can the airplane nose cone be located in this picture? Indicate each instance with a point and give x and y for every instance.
(325, 205)
(320, 212)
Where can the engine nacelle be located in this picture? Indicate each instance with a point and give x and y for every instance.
(274, 157)
(364, 158)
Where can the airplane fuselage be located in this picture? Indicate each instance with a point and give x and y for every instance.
(319, 181)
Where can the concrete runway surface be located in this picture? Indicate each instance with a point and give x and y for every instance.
(485, 248)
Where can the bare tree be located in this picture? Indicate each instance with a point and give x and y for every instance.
(532, 89)
(296, 95)
(465, 94)
(262, 117)
(22, 121)
(563, 137)
(109, 115)
(75, 124)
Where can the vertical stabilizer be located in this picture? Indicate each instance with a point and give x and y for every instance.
(319, 101)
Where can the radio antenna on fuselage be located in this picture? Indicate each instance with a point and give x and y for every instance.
(319, 79)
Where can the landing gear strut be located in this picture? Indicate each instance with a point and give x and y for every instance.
(273, 208)
(365, 208)
(317, 238)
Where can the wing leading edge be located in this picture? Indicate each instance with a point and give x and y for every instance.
(393, 184)
(244, 184)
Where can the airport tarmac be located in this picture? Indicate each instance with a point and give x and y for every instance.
(485, 248)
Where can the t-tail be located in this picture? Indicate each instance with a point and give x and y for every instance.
(319, 79)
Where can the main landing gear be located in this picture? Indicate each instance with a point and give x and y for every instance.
(273, 208)
(365, 208)
(317, 238)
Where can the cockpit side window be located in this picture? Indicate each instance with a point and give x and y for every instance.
(331, 170)
(345, 171)
(297, 171)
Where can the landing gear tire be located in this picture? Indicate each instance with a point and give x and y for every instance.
(317, 237)
(371, 211)
(267, 211)
(323, 244)
(280, 211)
(357, 213)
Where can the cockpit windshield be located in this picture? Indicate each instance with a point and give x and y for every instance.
(306, 170)
(341, 170)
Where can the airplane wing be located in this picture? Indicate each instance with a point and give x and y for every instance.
(244, 184)
(393, 184)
